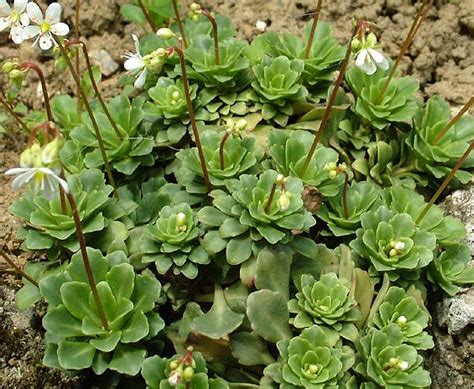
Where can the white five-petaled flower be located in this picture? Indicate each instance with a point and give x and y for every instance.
(45, 27)
(14, 18)
(33, 168)
(368, 60)
(135, 64)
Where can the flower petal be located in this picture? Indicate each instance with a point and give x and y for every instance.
(134, 63)
(5, 9)
(17, 170)
(17, 33)
(137, 44)
(31, 31)
(49, 187)
(24, 19)
(361, 58)
(46, 41)
(4, 23)
(384, 65)
(376, 56)
(23, 179)
(20, 5)
(53, 13)
(140, 82)
(34, 13)
(60, 29)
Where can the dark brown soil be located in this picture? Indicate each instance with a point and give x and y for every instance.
(441, 58)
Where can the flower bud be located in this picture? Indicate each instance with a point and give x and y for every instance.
(371, 40)
(175, 378)
(403, 365)
(8, 66)
(283, 201)
(392, 253)
(402, 321)
(280, 179)
(176, 95)
(393, 362)
(330, 166)
(16, 75)
(188, 373)
(180, 219)
(173, 365)
(356, 45)
(27, 157)
(313, 369)
(195, 7)
(50, 153)
(241, 125)
(342, 167)
(165, 33)
(399, 246)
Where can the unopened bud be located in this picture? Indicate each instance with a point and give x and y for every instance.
(241, 125)
(188, 373)
(195, 7)
(355, 44)
(284, 201)
(402, 321)
(173, 365)
(16, 75)
(181, 220)
(50, 153)
(280, 179)
(165, 33)
(393, 253)
(371, 40)
(8, 66)
(399, 246)
(403, 365)
(330, 166)
(313, 369)
(176, 95)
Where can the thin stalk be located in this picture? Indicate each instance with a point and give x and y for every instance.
(180, 24)
(96, 88)
(313, 29)
(77, 19)
(332, 99)
(268, 205)
(17, 268)
(420, 17)
(221, 149)
(100, 140)
(44, 88)
(453, 121)
(15, 116)
(85, 258)
(180, 52)
(148, 18)
(445, 183)
(217, 52)
(344, 195)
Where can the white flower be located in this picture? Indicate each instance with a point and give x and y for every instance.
(45, 180)
(369, 59)
(261, 26)
(45, 27)
(135, 64)
(14, 18)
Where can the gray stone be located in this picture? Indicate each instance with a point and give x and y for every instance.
(457, 313)
(107, 64)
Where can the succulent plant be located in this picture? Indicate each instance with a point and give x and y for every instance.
(189, 371)
(362, 197)
(268, 208)
(398, 104)
(392, 243)
(288, 150)
(227, 156)
(326, 302)
(437, 159)
(232, 70)
(387, 362)
(450, 269)
(406, 312)
(127, 150)
(76, 338)
(172, 242)
(315, 359)
(448, 230)
(49, 228)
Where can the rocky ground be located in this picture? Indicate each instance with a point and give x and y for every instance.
(441, 58)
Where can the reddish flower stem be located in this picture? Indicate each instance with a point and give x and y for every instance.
(15, 116)
(148, 18)
(269, 202)
(221, 149)
(215, 35)
(453, 121)
(344, 195)
(44, 88)
(445, 183)
(313, 29)
(180, 24)
(17, 268)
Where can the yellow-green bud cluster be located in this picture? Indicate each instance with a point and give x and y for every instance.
(181, 222)
(154, 61)
(165, 33)
(333, 169)
(234, 128)
(396, 363)
(36, 156)
(396, 248)
(181, 369)
(195, 11)
(364, 42)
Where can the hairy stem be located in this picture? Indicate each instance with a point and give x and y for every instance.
(96, 88)
(85, 258)
(344, 195)
(100, 140)
(313, 29)
(180, 52)
(17, 268)
(148, 18)
(217, 53)
(445, 183)
(453, 121)
(77, 19)
(330, 104)
(420, 17)
(180, 24)
(221, 149)
(44, 88)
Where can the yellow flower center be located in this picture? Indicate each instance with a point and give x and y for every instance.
(45, 27)
(15, 17)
